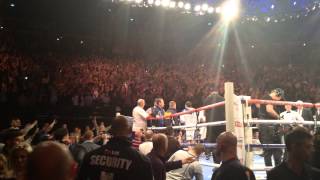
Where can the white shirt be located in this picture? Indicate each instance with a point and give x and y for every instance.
(139, 118)
(203, 130)
(291, 116)
(145, 147)
(189, 119)
(188, 171)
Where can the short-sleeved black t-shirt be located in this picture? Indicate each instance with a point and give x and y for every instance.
(263, 114)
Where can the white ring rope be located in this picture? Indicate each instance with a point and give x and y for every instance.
(253, 121)
(272, 121)
(217, 123)
(260, 168)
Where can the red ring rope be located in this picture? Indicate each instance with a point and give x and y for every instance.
(259, 101)
(211, 106)
(250, 101)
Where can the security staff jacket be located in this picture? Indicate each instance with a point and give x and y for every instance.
(116, 160)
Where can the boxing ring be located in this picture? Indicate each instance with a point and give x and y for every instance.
(239, 121)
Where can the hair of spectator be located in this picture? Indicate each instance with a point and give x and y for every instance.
(51, 161)
(15, 155)
(157, 101)
(4, 161)
(148, 134)
(160, 142)
(172, 104)
(198, 149)
(188, 104)
(169, 131)
(60, 133)
(120, 126)
(297, 136)
(88, 135)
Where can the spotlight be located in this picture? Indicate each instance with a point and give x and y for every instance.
(138, 1)
(187, 6)
(180, 4)
(150, 1)
(165, 3)
(230, 10)
(218, 10)
(304, 44)
(12, 5)
(268, 19)
(157, 3)
(81, 42)
(197, 8)
(272, 6)
(210, 10)
(204, 7)
(172, 4)
(295, 3)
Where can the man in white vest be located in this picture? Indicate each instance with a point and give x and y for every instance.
(189, 120)
(139, 117)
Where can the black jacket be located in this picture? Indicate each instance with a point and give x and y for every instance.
(116, 160)
(173, 146)
(307, 114)
(80, 150)
(233, 170)
(282, 172)
(160, 166)
(215, 114)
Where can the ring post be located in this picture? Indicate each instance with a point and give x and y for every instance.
(247, 114)
(229, 93)
(234, 118)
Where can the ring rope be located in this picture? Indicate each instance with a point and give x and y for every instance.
(217, 123)
(211, 106)
(272, 102)
(268, 146)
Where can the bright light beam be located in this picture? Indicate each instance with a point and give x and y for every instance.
(230, 10)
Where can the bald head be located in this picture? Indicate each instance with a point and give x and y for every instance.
(227, 138)
(141, 102)
(120, 126)
(226, 145)
(50, 161)
(160, 143)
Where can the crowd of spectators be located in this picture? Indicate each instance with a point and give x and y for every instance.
(100, 152)
(86, 80)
